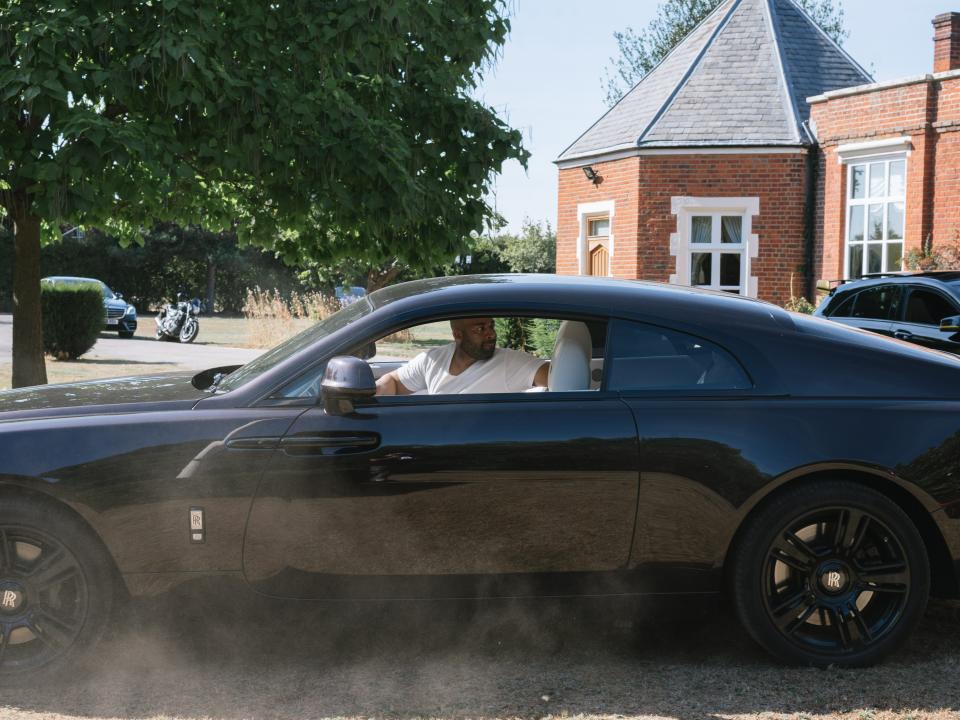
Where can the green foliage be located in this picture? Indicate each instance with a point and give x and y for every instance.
(512, 332)
(534, 250)
(350, 124)
(799, 304)
(642, 51)
(926, 258)
(73, 317)
(543, 336)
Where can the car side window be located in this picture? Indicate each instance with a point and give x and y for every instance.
(877, 303)
(844, 308)
(927, 307)
(647, 357)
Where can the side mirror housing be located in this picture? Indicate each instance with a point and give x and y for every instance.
(346, 380)
(950, 324)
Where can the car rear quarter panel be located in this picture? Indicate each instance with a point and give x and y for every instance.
(707, 463)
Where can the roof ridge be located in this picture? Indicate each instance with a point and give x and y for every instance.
(693, 65)
(837, 46)
(774, 23)
(662, 61)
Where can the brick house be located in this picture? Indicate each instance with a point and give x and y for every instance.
(889, 156)
(708, 172)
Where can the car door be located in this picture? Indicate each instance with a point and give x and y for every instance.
(872, 308)
(448, 496)
(922, 312)
(691, 401)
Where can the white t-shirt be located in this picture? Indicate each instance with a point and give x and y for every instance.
(507, 371)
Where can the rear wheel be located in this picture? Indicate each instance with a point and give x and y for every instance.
(831, 573)
(56, 589)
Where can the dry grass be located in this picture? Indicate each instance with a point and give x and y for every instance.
(80, 370)
(271, 318)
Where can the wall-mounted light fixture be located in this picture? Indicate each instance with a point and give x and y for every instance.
(592, 175)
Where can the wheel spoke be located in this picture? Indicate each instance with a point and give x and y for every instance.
(56, 569)
(69, 625)
(49, 633)
(852, 527)
(6, 552)
(793, 612)
(890, 577)
(797, 557)
(862, 632)
(836, 617)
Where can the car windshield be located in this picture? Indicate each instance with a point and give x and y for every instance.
(255, 368)
(107, 292)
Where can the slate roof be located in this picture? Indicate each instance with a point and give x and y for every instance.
(740, 78)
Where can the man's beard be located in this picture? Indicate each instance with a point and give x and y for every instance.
(477, 350)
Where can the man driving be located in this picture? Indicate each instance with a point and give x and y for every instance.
(472, 363)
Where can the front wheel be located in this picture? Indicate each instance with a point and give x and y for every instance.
(830, 573)
(56, 589)
(189, 331)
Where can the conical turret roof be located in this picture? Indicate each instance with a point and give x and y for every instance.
(741, 78)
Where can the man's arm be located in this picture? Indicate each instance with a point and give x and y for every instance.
(542, 376)
(390, 385)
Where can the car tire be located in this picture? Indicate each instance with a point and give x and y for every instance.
(830, 573)
(57, 590)
(125, 334)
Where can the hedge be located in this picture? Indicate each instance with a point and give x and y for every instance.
(73, 316)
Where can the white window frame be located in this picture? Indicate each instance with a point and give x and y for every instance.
(863, 204)
(682, 247)
(585, 213)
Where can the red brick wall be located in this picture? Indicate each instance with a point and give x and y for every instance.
(929, 113)
(643, 188)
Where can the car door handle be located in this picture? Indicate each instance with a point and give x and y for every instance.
(309, 442)
(903, 335)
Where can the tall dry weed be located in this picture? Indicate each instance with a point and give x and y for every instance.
(271, 318)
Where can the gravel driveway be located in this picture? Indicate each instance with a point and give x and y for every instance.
(427, 661)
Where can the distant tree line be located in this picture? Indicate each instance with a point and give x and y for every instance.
(212, 266)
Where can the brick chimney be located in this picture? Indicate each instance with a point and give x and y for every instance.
(946, 42)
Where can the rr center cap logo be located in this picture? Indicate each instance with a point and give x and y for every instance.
(11, 600)
(833, 579)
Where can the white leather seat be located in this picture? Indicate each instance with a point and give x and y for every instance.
(570, 365)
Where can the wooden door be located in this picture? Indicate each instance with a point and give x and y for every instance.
(599, 261)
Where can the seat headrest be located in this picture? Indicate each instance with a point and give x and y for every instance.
(570, 364)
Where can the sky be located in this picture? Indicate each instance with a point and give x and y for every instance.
(548, 82)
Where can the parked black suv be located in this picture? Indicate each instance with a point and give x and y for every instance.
(906, 306)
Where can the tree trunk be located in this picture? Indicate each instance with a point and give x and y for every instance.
(29, 367)
(211, 283)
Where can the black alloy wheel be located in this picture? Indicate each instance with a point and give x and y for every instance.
(55, 589)
(831, 573)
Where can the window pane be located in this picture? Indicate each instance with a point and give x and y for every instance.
(875, 257)
(844, 309)
(648, 358)
(731, 229)
(876, 222)
(700, 268)
(895, 257)
(879, 303)
(878, 180)
(858, 182)
(898, 172)
(856, 261)
(895, 221)
(730, 269)
(926, 307)
(856, 223)
(599, 226)
(702, 229)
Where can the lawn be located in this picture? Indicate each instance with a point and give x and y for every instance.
(225, 332)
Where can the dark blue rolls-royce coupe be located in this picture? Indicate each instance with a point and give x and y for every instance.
(685, 442)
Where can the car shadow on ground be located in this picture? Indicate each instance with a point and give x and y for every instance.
(413, 660)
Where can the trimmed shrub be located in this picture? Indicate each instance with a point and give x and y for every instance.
(543, 335)
(73, 317)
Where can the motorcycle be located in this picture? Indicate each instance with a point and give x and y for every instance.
(179, 321)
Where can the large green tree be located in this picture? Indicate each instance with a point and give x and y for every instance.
(346, 124)
(640, 52)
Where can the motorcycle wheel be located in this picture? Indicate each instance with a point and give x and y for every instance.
(189, 331)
